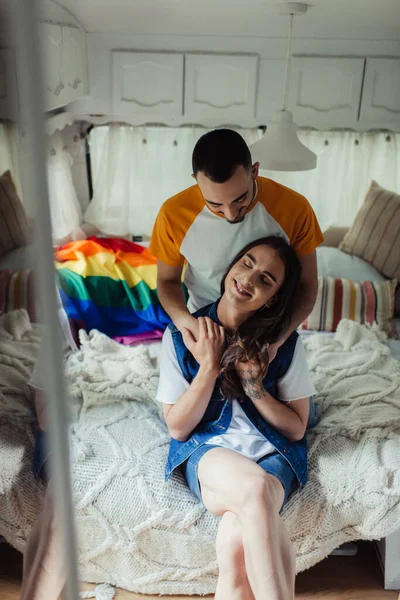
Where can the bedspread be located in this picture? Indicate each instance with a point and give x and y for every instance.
(143, 534)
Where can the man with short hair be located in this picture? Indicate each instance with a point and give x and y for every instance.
(206, 225)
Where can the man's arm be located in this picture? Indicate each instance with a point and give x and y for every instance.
(308, 290)
(172, 298)
(184, 416)
(305, 301)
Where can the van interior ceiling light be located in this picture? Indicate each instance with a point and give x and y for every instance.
(280, 149)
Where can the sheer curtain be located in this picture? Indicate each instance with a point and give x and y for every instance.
(66, 213)
(9, 153)
(135, 169)
(347, 162)
(65, 209)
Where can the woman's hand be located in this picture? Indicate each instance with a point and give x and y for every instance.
(251, 375)
(208, 348)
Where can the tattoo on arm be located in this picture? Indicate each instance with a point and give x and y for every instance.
(252, 386)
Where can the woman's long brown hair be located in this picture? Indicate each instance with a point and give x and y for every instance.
(251, 340)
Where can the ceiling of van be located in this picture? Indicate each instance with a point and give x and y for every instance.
(351, 19)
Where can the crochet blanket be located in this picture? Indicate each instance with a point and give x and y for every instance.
(137, 532)
(142, 534)
(20, 493)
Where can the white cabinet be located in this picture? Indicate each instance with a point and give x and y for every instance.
(74, 62)
(220, 86)
(325, 90)
(381, 91)
(64, 62)
(54, 81)
(147, 83)
(8, 85)
(271, 88)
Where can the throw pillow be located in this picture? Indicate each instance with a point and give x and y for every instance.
(366, 302)
(332, 262)
(16, 291)
(14, 227)
(375, 233)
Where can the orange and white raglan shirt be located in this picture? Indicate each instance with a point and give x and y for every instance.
(187, 232)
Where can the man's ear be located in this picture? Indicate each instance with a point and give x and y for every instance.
(254, 170)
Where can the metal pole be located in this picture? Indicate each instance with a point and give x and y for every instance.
(30, 88)
(288, 60)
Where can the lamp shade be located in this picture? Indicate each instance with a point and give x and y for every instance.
(280, 149)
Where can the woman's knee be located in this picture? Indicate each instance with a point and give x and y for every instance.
(260, 490)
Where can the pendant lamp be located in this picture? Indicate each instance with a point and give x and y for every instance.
(280, 149)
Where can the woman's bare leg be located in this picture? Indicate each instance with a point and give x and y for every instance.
(232, 581)
(43, 567)
(231, 482)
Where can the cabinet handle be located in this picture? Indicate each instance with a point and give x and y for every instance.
(76, 83)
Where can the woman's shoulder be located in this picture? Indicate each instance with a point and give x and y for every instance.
(207, 311)
(290, 343)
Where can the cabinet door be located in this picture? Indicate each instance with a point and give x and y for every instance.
(56, 94)
(271, 88)
(147, 83)
(220, 86)
(8, 85)
(381, 91)
(325, 90)
(74, 62)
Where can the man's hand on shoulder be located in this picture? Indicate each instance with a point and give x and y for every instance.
(187, 321)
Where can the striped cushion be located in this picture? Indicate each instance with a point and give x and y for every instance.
(375, 233)
(14, 228)
(361, 301)
(16, 291)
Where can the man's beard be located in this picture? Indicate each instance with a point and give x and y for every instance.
(237, 221)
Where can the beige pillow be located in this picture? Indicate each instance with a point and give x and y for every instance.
(375, 233)
(333, 236)
(14, 227)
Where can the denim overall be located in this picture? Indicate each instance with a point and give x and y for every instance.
(218, 415)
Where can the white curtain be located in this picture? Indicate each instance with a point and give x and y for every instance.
(9, 160)
(65, 209)
(347, 162)
(136, 169)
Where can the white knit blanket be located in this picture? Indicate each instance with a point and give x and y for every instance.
(139, 533)
(20, 494)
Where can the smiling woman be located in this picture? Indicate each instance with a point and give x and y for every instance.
(237, 423)
(260, 283)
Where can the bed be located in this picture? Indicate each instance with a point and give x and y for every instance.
(137, 532)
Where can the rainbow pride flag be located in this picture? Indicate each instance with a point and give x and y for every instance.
(110, 284)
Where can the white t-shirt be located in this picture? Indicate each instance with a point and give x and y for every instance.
(187, 232)
(241, 435)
